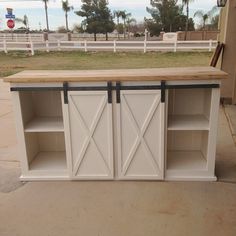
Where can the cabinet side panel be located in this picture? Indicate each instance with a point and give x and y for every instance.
(66, 121)
(32, 146)
(207, 103)
(214, 114)
(20, 132)
(204, 143)
(27, 106)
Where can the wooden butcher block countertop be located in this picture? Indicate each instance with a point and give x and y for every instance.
(152, 74)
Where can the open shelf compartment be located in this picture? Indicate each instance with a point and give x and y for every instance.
(42, 111)
(46, 152)
(189, 109)
(187, 151)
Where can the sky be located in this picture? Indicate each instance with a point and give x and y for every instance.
(34, 9)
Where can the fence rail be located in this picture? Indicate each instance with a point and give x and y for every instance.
(16, 37)
(114, 46)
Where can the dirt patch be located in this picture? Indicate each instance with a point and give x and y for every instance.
(9, 177)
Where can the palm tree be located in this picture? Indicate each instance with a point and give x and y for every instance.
(124, 16)
(24, 21)
(129, 22)
(46, 12)
(206, 16)
(186, 3)
(66, 8)
(117, 15)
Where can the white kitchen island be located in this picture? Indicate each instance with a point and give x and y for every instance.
(136, 124)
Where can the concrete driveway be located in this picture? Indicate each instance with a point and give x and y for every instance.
(114, 208)
(9, 164)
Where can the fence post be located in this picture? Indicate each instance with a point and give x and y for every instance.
(114, 45)
(210, 45)
(145, 46)
(175, 46)
(85, 46)
(5, 46)
(32, 48)
(30, 38)
(59, 45)
(47, 46)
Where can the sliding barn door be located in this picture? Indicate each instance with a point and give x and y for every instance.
(90, 118)
(141, 135)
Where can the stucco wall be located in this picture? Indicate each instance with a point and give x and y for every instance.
(228, 36)
(199, 35)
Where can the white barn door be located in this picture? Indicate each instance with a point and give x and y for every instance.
(141, 135)
(90, 118)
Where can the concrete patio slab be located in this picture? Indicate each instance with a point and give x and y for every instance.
(230, 111)
(119, 208)
(225, 152)
(7, 126)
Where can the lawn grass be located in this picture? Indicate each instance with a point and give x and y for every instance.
(17, 61)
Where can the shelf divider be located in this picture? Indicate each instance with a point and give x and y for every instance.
(45, 124)
(188, 122)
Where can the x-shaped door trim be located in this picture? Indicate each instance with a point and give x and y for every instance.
(89, 133)
(140, 140)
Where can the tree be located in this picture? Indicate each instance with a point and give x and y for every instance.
(166, 16)
(117, 15)
(125, 16)
(120, 29)
(130, 22)
(214, 22)
(98, 17)
(66, 8)
(106, 18)
(206, 17)
(138, 29)
(24, 21)
(77, 28)
(46, 12)
(61, 29)
(186, 3)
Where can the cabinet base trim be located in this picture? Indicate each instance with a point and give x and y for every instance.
(191, 178)
(44, 178)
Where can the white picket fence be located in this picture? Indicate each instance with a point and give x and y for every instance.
(114, 46)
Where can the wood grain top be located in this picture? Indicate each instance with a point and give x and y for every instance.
(152, 74)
